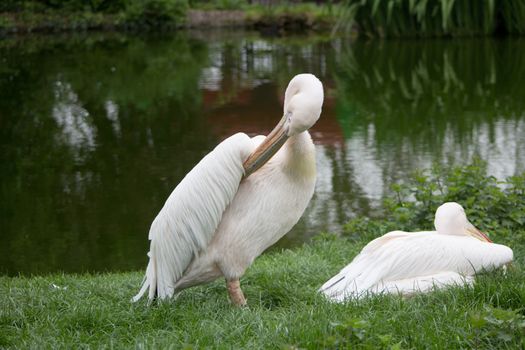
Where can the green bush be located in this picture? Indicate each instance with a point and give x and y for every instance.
(105, 6)
(492, 205)
(218, 4)
(10, 5)
(155, 12)
(512, 14)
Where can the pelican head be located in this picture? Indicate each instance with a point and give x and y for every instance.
(451, 220)
(303, 101)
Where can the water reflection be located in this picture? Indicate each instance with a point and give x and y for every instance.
(112, 114)
(97, 130)
(72, 118)
(442, 102)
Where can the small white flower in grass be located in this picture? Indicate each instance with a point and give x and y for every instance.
(58, 287)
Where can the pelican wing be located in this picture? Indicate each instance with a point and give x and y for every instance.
(404, 262)
(413, 285)
(189, 218)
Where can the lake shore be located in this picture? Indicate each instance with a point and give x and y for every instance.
(289, 19)
(368, 18)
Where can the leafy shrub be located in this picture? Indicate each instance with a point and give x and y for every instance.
(10, 5)
(494, 325)
(106, 6)
(155, 12)
(5, 23)
(490, 204)
(512, 15)
(219, 4)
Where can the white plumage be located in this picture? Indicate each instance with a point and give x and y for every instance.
(187, 221)
(409, 262)
(240, 199)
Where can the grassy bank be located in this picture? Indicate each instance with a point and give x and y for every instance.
(284, 308)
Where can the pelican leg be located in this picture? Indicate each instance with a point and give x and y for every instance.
(236, 295)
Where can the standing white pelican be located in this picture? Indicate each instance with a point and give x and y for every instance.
(409, 262)
(239, 200)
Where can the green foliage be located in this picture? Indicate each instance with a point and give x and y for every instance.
(106, 6)
(155, 12)
(373, 17)
(10, 5)
(512, 14)
(5, 22)
(436, 17)
(492, 205)
(291, 15)
(487, 201)
(494, 325)
(219, 4)
(82, 14)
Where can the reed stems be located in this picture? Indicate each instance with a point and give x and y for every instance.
(423, 18)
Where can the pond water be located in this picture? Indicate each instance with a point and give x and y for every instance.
(96, 130)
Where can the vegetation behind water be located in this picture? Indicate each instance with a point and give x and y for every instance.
(370, 17)
(64, 311)
(437, 17)
(141, 15)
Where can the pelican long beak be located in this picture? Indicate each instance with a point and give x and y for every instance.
(273, 142)
(474, 232)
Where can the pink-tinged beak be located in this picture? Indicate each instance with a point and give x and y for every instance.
(474, 232)
(271, 144)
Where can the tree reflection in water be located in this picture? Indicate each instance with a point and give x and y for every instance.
(97, 130)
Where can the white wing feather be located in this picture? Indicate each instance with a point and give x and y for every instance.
(405, 262)
(424, 283)
(191, 214)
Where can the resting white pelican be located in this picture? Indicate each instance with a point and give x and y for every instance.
(409, 262)
(237, 201)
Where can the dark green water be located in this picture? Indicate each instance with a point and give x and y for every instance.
(96, 131)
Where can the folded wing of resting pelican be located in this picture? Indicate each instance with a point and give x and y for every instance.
(411, 262)
(236, 202)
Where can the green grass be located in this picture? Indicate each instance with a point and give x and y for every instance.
(285, 311)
